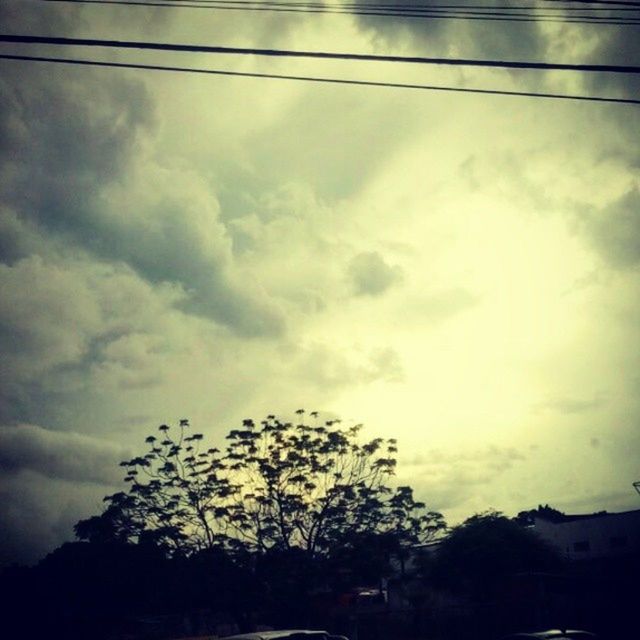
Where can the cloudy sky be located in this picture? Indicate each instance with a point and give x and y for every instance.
(457, 271)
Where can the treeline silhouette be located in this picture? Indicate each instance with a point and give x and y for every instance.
(109, 589)
(284, 528)
(312, 486)
(284, 511)
(276, 529)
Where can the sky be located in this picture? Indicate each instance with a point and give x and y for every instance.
(457, 271)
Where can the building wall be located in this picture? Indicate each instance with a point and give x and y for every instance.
(596, 536)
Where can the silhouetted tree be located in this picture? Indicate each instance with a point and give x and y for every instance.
(176, 499)
(86, 590)
(113, 525)
(316, 487)
(279, 486)
(477, 556)
(543, 511)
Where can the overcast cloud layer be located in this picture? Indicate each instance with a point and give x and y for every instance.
(459, 272)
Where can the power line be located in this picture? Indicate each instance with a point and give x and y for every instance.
(365, 83)
(627, 3)
(425, 14)
(324, 55)
(396, 7)
(421, 14)
(380, 5)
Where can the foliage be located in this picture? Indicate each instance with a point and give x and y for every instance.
(99, 590)
(175, 498)
(543, 511)
(315, 487)
(480, 553)
(278, 487)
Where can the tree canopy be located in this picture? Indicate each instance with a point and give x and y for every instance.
(543, 511)
(313, 486)
(175, 499)
(480, 553)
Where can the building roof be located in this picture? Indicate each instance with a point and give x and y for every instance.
(584, 516)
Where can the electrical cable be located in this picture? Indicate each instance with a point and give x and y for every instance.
(324, 55)
(627, 3)
(365, 83)
(312, 4)
(424, 14)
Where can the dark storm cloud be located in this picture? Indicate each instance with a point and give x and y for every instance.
(60, 315)
(47, 316)
(615, 231)
(72, 141)
(18, 237)
(65, 136)
(38, 512)
(525, 41)
(619, 45)
(49, 480)
(391, 30)
(63, 18)
(616, 45)
(65, 456)
(38, 17)
(370, 275)
(68, 134)
(517, 40)
(73, 331)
